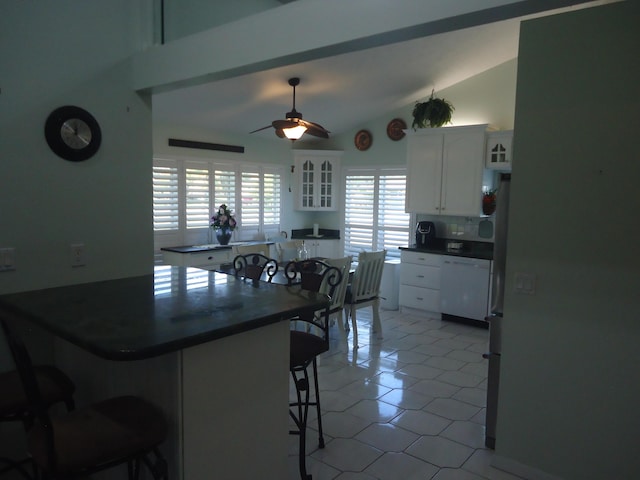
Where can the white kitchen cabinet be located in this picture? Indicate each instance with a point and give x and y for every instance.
(445, 170)
(317, 175)
(420, 280)
(206, 259)
(499, 148)
(323, 248)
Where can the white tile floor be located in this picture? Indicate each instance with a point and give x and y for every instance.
(407, 406)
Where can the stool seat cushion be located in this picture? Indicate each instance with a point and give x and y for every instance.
(304, 348)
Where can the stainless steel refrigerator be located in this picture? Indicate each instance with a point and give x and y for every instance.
(501, 221)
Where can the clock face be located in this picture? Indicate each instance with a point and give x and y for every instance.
(76, 133)
(72, 133)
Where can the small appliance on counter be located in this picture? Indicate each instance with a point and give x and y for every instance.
(425, 234)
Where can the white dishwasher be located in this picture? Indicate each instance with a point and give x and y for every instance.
(464, 288)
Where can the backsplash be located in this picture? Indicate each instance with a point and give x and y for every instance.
(461, 228)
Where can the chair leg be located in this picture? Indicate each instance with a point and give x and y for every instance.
(377, 326)
(355, 327)
(15, 465)
(317, 402)
(302, 385)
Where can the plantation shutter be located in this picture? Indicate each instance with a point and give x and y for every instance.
(271, 198)
(393, 223)
(224, 190)
(166, 197)
(359, 213)
(197, 197)
(374, 211)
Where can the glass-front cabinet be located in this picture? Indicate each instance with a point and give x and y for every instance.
(499, 148)
(317, 178)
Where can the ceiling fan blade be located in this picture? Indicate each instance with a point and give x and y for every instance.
(315, 129)
(260, 129)
(280, 124)
(316, 132)
(280, 133)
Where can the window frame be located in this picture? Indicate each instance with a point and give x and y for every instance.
(185, 235)
(377, 236)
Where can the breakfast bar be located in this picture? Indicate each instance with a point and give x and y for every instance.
(210, 349)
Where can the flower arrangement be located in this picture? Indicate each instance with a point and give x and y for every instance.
(223, 218)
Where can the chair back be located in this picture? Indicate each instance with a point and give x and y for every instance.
(344, 265)
(316, 276)
(37, 405)
(367, 278)
(261, 248)
(288, 250)
(254, 265)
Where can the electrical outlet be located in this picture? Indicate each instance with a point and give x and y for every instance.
(77, 255)
(7, 259)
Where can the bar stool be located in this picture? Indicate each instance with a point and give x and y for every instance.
(119, 430)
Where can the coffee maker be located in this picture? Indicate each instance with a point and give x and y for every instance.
(425, 234)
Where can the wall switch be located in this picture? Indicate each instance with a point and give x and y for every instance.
(525, 283)
(78, 255)
(7, 259)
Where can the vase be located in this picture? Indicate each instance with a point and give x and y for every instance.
(223, 234)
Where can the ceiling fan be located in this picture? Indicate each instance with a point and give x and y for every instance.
(293, 127)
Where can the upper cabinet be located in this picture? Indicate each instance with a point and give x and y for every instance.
(317, 175)
(445, 169)
(499, 147)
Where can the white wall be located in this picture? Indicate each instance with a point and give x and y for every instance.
(72, 53)
(569, 390)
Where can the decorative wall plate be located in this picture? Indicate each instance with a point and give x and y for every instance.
(363, 140)
(395, 129)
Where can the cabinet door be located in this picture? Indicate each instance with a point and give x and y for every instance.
(328, 248)
(307, 182)
(463, 162)
(499, 147)
(424, 173)
(317, 179)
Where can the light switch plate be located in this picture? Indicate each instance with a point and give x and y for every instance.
(525, 283)
(7, 259)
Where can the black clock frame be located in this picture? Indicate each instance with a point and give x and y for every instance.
(52, 133)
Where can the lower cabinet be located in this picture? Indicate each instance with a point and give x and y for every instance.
(420, 281)
(208, 259)
(323, 248)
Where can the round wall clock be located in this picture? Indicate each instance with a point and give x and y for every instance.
(395, 129)
(72, 133)
(363, 140)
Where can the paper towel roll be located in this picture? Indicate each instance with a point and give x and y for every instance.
(315, 230)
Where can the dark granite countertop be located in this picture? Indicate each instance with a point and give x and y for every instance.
(307, 234)
(209, 247)
(141, 317)
(470, 249)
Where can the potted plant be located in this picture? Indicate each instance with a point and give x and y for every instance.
(489, 202)
(435, 112)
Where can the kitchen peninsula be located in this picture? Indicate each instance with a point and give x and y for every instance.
(211, 350)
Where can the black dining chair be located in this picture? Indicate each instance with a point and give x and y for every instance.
(120, 430)
(255, 266)
(309, 338)
(56, 388)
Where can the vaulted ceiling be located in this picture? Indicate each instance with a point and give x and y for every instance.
(342, 92)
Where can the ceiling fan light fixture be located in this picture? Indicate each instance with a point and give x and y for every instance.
(294, 133)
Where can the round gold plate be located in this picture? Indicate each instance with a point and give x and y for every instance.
(363, 140)
(395, 129)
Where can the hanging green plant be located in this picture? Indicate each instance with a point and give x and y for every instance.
(433, 113)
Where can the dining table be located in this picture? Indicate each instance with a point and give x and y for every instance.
(210, 349)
